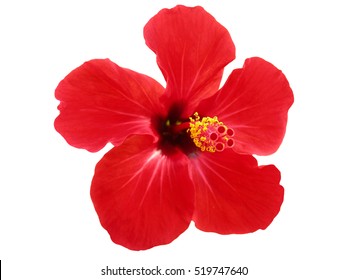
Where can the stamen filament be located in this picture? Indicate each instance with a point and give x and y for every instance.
(180, 127)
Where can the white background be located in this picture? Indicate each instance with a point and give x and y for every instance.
(48, 226)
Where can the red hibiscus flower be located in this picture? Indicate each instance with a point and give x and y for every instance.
(182, 153)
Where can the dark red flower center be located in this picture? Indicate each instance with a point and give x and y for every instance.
(172, 132)
(192, 134)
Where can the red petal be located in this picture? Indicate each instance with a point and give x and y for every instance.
(143, 199)
(102, 102)
(192, 49)
(254, 101)
(233, 194)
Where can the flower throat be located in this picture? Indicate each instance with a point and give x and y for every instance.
(193, 134)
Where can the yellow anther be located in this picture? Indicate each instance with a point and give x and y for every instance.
(209, 134)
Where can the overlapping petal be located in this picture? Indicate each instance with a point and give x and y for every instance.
(233, 194)
(143, 199)
(102, 102)
(192, 49)
(254, 101)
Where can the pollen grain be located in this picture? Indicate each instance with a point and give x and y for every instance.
(210, 134)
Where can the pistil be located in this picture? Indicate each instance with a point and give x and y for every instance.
(210, 134)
